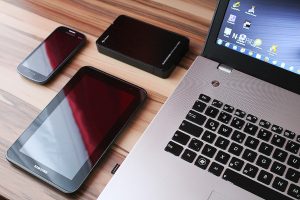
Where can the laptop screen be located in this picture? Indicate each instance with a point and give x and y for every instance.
(267, 30)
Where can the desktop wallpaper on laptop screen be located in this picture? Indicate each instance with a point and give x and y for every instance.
(267, 30)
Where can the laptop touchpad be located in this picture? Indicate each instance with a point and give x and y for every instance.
(217, 196)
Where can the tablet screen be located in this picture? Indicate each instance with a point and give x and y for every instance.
(84, 119)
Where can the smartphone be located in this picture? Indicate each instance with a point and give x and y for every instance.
(68, 138)
(52, 54)
(143, 45)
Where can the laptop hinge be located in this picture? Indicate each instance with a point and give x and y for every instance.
(225, 68)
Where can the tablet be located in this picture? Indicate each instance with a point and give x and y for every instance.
(67, 139)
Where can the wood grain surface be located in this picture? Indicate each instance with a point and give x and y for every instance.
(24, 24)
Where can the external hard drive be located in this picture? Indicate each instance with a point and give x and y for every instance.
(142, 45)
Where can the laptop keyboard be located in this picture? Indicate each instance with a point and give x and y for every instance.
(252, 153)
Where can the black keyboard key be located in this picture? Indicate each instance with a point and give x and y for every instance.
(235, 149)
(188, 155)
(181, 138)
(265, 149)
(228, 108)
(224, 117)
(293, 175)
(251, 118)
(199, 106)
(236, 164)
(253, 186)
(209, 137)
(250, 170)
(298, 138)
(264, 134)
(280, 184)
(209, 151)
(265, 177)
(294, 161)
(292, 147)
(252, 142)
(191, 128)
(249, 155)
(237, 123)
(280, 155)
(278, 168)
(196, 117)
(202, 162)
(222, 143)
(195, 144)
(216, 169)
(240, 113)
(238, 136)
(204, 98)
(225, 130)
(289, 134)
(217, 103)
(211, 112)
(212, 125)
(294, 191)
(263, 162)
(278, 140)
(250, 129)
(264, 124)
(277, 129)
(222, 157)
(174, 148)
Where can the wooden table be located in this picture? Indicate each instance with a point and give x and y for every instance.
(24, 24)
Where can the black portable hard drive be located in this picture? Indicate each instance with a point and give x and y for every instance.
(142, 45)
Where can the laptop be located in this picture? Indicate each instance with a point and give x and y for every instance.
(230, 130)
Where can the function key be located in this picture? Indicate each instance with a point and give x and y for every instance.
(196, 117)
(228, 108)
(211, 112)
(188, 156)
(251, 118)
(181, 138)
(237, 123)
(202, 162)
(174, 148)
(264, 124)
(250, 129)
(204, 98)
(289, 134)
(224, 117)
(277, 129)
(191, 128)
(292, 147)
(199, 106)
(240, 113)
(294, 191)
(216, 169)
(217, 103)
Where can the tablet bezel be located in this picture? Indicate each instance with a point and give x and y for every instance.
(52, 177)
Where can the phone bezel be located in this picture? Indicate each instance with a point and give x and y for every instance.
(41, 79)
(52, 177)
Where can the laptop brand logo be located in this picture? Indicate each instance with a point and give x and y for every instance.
(41, 169)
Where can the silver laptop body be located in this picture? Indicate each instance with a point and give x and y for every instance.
(152, 171)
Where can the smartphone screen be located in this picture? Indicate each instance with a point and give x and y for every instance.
(53, 52)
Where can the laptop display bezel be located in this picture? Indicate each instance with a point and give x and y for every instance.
(244, 63)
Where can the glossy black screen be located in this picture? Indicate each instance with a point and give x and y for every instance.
(80, 123)
(53, 51)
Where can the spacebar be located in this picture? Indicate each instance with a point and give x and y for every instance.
(253, 186)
